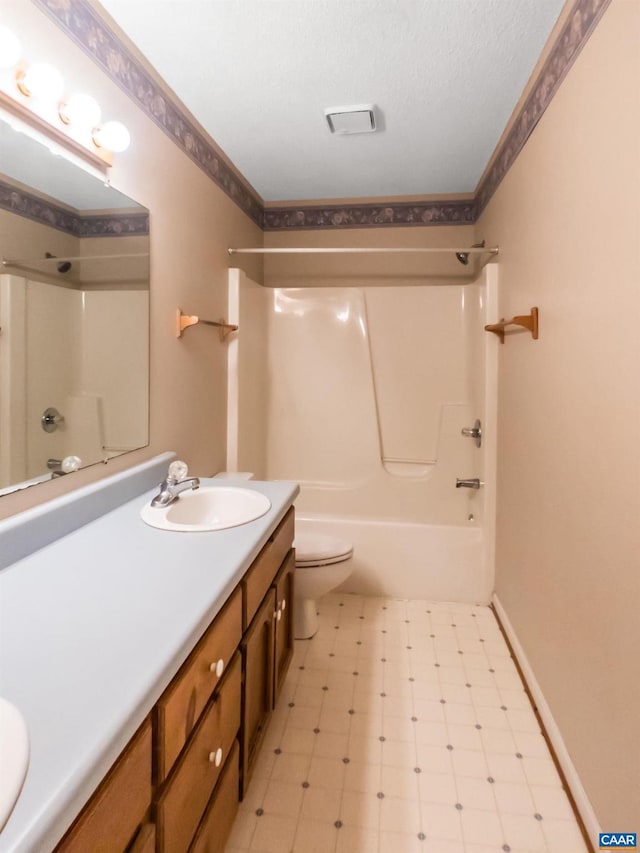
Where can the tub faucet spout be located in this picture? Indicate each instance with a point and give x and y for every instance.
(474, 483)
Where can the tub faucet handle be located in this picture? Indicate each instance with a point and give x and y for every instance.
(474, 432)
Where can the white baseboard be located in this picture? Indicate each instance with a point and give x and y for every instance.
(582, 801)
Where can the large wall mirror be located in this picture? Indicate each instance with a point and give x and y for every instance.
(74, 315)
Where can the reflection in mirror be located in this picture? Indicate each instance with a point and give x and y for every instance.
(74, 316)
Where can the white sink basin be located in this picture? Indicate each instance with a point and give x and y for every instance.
(14, 757)
(208, 508)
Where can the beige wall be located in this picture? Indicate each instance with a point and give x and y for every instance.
(192, 224)
(23, 238)
(567, 219)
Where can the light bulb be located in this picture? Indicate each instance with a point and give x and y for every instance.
(10, 48)
(81, 111)
(112, 135)
(41, 81)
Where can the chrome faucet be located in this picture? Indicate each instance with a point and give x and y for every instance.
(474, 432)
(175, 482)
(60, 467)
(474, 483)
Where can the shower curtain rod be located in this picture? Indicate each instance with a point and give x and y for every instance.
(353, 250)
(16, 262)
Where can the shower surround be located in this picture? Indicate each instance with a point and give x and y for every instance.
(361, 398)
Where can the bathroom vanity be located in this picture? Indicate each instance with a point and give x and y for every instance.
(146, 664)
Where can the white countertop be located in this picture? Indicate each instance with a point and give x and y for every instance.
(92, 628)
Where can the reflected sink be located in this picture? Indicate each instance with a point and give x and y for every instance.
(208, 508)
(14, 757)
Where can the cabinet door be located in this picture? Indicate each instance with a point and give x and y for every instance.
(112, 816)
(284, 587)
(257, 651)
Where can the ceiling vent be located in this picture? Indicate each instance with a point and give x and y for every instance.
(358, 119)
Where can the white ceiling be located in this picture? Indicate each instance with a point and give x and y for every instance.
(258, 74)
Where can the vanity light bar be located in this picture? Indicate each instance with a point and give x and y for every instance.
(26, 121)
(35, 93)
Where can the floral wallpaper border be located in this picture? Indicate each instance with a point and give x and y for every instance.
(369, 215)
(83, 24)
(581, 22)
(32, 207)
(114, 225)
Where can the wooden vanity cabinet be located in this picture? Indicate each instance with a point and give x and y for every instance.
(177, 785)
(117, 809)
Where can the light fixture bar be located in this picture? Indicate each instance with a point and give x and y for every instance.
(99, 162)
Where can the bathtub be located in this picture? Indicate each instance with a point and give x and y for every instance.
(407, 560)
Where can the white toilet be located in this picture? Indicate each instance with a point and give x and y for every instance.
(322, 564)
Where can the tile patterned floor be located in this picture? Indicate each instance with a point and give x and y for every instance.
(404, 728)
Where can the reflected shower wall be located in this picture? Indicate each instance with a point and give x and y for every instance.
(81, 352)
(362, 397)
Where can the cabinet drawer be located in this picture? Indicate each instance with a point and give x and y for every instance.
(260, 575)
(181, 805)
(115, 811)
(180, 706)
(222, 809)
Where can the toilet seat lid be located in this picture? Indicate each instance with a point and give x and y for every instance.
(314, 549)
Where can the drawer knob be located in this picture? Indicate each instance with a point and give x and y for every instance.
(216, 757)
(217, 667)
(283, 604)
(279, 616)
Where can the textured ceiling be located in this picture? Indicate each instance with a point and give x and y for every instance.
(258, 74)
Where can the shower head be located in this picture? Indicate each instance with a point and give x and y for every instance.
(463, 257)
(63, 266)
